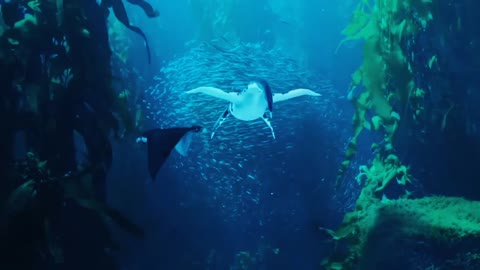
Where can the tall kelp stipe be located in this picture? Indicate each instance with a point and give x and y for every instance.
(382, 233)
(56, 82)
(385, 79)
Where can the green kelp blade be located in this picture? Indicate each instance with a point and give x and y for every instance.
(21, 198)
(113, 214)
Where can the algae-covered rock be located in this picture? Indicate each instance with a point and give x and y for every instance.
(447, 219)
(444, 221)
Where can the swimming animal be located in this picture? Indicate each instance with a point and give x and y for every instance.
(161, 142)
(255, 101)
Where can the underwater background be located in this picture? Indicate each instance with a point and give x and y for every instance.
(379, 172)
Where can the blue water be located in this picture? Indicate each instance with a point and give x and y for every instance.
(243, 190)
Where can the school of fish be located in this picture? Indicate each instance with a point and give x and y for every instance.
(238, 160)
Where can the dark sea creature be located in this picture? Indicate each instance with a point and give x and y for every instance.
(121, 14)
(161, 142)
(149, 10)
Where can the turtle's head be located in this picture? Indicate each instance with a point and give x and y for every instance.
(254, 88)
(263, 86)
